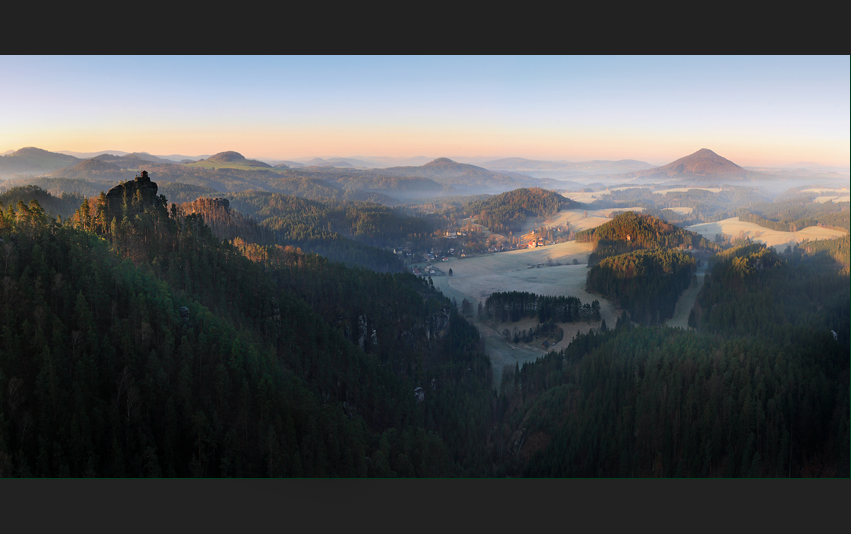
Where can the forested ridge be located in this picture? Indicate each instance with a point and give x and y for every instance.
(305, 225)
(142, 345)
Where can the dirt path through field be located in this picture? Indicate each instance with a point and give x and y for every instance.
(476, 278)
(686, 302)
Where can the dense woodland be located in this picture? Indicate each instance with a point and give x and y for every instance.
(62, 205)
(186, 339)
(759, 390)
(287, 229)
(505, 306)
(142, 345)
(632, 231)
(646, 283)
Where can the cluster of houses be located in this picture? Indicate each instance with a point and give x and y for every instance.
(427, 270)
(532, 244)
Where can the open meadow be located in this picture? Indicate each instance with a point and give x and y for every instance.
(577, 219)
(831, 198)
(772, 238)
(476, 278)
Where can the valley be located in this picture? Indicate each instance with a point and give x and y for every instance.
(544, 271)
(298, 305)
(430, 267)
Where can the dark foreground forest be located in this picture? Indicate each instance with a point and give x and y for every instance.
(139, 342)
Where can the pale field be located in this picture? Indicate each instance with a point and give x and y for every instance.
(772, 238)
(684, 189)
(476, 278)
(846, 198)
(826, 190)
(684, 211)
(623, 188)
(576, 219)
(585, 198)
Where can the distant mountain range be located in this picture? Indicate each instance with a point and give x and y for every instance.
(31, 160)
(99, 169)
(491, 176)
(171, 158)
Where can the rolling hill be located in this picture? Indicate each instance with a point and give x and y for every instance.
(31, 160)
(448, 172)
(94, 169)
(703, 164)
(230, 159)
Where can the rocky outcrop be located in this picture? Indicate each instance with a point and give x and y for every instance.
(206, 205)
(143, 184)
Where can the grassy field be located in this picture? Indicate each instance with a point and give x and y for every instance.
(772, 238)
(846, 198)
(835, 190)
(682, 211)
(476, 278)
(577, 219)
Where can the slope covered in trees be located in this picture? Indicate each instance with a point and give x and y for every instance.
(632, 231)
(648, 402)
(62, 205)
(751, 290)
(142, 345)
(647, 283)
(350, 232)
(507, 212)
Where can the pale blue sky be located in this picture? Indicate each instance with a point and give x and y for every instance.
(753, 110)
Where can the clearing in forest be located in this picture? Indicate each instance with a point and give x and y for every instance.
(529, 270)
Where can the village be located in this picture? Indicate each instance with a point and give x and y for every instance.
(472, 241)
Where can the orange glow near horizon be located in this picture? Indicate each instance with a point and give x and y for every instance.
(752, 110)
(398, 142)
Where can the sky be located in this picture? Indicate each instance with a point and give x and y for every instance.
(752, 110)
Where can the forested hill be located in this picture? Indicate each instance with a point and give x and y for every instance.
(62, 205)
(298, 183)
(646, 283)
(367, 222)
(633, 231)
(284, 220)
(508, 211)
(141, 345)
(31, 160)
